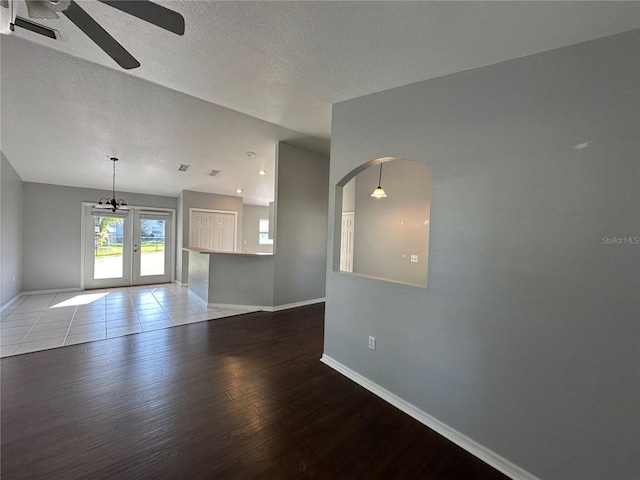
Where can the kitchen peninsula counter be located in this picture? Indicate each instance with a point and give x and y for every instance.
(238, 279)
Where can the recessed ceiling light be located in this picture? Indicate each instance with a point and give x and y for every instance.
(581, 146)
(183, 167)
(238, 190)
(262, 171)
(250, 154)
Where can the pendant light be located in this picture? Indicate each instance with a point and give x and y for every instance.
(379, 192)
(111, 203)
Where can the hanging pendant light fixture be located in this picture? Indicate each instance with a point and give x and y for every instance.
(111, 203)
(379, 192)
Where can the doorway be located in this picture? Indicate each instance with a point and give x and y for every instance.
(127, 247)
(346, 242)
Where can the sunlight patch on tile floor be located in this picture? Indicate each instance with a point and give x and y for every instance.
(41, 322)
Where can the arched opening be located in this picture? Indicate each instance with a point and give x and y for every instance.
(384, 237)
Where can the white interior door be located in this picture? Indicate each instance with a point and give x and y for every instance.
(346, 242)
(213, 230)
(201, 229)
(224, 231)
(127, 247)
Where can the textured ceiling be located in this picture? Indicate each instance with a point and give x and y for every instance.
(63, 117)
(65, 111)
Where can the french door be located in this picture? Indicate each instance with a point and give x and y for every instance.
(127, 247)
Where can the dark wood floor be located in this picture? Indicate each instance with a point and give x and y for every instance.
(238, 398)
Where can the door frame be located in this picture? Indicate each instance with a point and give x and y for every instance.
(83, 234)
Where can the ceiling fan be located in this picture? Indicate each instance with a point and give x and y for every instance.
(49, 9)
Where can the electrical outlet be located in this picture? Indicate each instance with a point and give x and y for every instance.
(372, 343)
(414, 258)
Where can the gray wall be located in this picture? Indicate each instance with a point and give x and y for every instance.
(301, 225)
(251, 229)
(241, 280)
(11, 215)
(388, 231)
(52, 243)
(209, 201)
(526, 339)
(199, 275)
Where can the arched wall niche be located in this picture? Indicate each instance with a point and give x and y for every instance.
(384, 238)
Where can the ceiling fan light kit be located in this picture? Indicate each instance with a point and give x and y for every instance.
(48, 9)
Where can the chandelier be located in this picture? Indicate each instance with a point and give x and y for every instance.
(111, 203)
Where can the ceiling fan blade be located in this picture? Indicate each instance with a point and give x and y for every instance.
(35, 27)
(150, 12)
(40, 9)
(99, 35)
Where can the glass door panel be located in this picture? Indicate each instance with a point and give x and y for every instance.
(152, 247)
(108, 258)
(107, 255)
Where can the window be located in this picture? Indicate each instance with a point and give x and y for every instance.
(263, 236)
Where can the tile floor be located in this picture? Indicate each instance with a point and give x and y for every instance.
(40, 322)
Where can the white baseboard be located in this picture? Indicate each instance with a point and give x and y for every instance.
(287, 306)
(10, 302)
(180, 284)
(235, 306)
(55, 290)
(471, 446)
(268, 308)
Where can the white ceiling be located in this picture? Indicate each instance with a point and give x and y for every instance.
(67, 107)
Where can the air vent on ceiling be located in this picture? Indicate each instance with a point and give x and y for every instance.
(35, 27)
(213, 173)
(183, 167)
